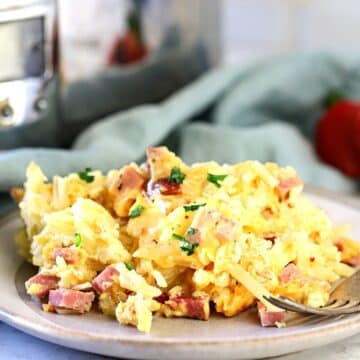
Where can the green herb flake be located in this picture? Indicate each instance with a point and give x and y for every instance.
(176, 176)
(136, 211)
(78, 240)
(188, 247)
(178, 237)
(191, 231)
(85, 176)
(185, 245)
(129, 266)
(193, 207)
(215, 179)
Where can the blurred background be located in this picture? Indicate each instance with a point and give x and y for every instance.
(240, 30)
(95, 47)
(257, 28)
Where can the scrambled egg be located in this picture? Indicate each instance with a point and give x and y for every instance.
(170, 239)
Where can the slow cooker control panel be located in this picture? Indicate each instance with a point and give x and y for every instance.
(26, 64)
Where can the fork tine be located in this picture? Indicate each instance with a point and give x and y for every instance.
(290, 305)
(285, 304)
(351, 304)
(310, 319)
(336, 304)
(341, 310)
(354, 303)
(301, 319)
(279, 303)
(324, 318)
(331, 303)
(349, 310)
(314, 319)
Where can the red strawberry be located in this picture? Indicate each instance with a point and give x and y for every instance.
(338, 137)
(126, 50)
(130, 47)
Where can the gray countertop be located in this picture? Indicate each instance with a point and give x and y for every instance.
(15, 345)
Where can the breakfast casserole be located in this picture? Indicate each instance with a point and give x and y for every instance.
(175, 240)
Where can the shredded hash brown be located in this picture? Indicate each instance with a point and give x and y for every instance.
(171, 239)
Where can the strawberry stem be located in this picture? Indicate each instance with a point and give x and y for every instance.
(333, 97)
(134, 24)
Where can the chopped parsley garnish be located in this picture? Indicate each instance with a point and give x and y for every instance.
(78, 240)
(129, 266)
(215, 179)
(191, 231)
(176, 176)
(186, 245)
(178, 237)
(85, 176)
(193, 207)
(136, 211)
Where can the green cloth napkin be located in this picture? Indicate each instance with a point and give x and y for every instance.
(265, 111)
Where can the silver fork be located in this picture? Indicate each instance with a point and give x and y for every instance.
(344, 299)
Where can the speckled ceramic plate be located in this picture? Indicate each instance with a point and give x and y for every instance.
(240, 337)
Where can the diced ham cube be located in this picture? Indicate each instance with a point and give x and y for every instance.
(161, 161)
(225, 229)
(129, 179)
(105, 280)
(40, 285)
(125, 190)
(288, 273)
(285, 186)
(196, 237)
(155, 153)
(190, 306)
(69, 255)
(270, 318)
(77, 301)
(162, 298)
